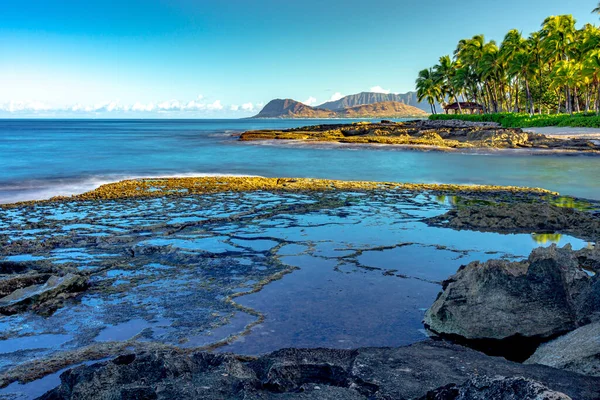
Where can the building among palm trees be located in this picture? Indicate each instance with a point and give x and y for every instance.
(465, 107)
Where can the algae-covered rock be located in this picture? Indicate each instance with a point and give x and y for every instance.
(577, 351)
(536, 298)
(499, 138)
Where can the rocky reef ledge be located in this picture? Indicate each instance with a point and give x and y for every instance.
(426, 370)
(443, 135)
(181, 187)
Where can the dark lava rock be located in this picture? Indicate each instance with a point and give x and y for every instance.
(368, 373)
(522, 218)
(524, 302)
(577, 351)
(497, 388)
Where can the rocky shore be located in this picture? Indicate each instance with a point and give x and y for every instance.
(443, 135)
(157, 238)
(426, 370)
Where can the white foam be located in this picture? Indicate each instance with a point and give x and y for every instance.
(43, 190)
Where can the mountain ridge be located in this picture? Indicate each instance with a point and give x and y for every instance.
(362, 98)
(289, 108)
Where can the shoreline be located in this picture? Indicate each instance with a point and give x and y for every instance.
(443, 135)
(483, 151)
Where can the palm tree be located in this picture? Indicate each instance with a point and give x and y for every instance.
(491, 70)
(534, 45)
(512, 45)
(445, 72)
(566, 73)
(597, 9)
(428, 87)
(558, 33)
(468, 53)
(556, 68)
(591, 69)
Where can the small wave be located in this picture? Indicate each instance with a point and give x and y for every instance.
(43, 189)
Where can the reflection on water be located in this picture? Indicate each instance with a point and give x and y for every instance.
(570, 202)
(546, 238)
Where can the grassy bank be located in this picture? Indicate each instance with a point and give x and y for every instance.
(512, 120)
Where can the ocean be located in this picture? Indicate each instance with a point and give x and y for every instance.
(43, 158)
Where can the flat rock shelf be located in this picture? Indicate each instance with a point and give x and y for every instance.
(171, 268)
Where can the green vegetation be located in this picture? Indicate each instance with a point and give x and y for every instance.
(555, 70)
(514, 120)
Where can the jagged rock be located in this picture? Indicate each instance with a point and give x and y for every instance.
(577, 351)
(535, 299)
(42, 294)
(497, 388)
(368, 373)
(589, 257)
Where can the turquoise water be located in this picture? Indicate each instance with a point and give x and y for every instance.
(41, 158)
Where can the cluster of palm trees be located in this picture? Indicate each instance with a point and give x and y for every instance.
(554, 70)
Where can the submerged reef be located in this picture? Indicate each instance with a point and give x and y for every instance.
(157, 271)
(443, 135)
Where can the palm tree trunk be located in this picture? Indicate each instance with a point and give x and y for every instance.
(457, 102)
(588, 94)
(517, 97)
(597, 97)
(530, 109)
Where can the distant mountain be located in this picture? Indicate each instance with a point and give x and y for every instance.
(353, 100)
(382, 109)
(288, 108)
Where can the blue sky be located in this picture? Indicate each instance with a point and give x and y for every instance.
(219, 59)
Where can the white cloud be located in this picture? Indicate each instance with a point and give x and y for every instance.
(379, 89)
(215, 106)
(20, 106)
(310, 101)
(336, 96)
(142, 107)
(116, 107)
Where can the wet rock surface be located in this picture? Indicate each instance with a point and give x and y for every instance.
(44, 295)
(577, 351)
(537, 217)
(498, 388)
(366, 373)
(452, 134)
(518, 302)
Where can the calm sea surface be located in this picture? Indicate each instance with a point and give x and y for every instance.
(41, 158)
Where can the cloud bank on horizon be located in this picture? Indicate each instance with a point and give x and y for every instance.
(162, 108)
(198, 107)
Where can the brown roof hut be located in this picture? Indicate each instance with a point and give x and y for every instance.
(466, 107)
